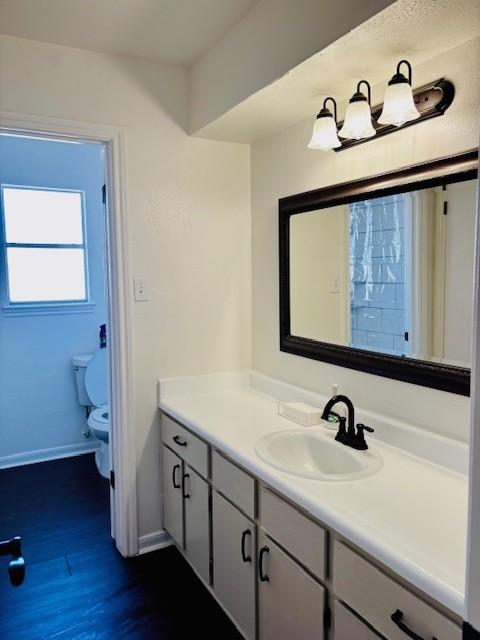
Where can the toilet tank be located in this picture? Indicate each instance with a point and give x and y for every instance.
(80, 366)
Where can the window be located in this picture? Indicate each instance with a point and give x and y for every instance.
(44, 244)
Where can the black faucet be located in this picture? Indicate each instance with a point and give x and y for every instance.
(348, 436)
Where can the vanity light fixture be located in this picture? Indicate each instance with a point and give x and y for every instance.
(403, 107)
(399, 105)
(325, 135)
(358, 119)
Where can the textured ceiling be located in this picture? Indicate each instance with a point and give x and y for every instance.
(414, 29)
(175, 31)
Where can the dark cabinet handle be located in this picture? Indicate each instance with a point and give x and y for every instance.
(397, 618)
(175, 485)
(178, 441)
(246, 533)
(263, 576)
(185, 476)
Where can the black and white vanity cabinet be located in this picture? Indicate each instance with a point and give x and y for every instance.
(276, 571)
(186, 494)
(233, 547)
(172, 474)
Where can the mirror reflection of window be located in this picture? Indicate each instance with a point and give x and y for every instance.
(392, 274)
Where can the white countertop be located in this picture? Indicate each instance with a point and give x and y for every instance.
(411, 515)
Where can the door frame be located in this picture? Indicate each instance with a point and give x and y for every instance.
(472, 582)
(124, 523)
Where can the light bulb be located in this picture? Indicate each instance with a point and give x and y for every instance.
(399, 105)
(324, 135)
(358, 118)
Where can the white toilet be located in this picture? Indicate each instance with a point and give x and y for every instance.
(92, 389)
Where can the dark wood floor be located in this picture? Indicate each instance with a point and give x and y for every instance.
(77, 586)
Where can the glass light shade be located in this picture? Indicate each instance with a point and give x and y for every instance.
(324, 136)
(358, 121)
(398, 105)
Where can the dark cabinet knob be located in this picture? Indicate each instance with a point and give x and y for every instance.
(245, 557)
(261, 573)
(184, 484)
(179, 441)
(176, 485)
(397, 618)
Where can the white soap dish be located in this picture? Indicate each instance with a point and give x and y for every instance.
(300, 412)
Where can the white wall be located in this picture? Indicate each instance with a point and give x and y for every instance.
(271, 39)
(188, 203)
(283, 166)
(318, 258)
(40, 415)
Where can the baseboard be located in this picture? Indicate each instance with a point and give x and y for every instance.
(42, 455)
(154, 541)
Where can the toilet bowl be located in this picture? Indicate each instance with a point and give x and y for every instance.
(92, 387)
(98, 421)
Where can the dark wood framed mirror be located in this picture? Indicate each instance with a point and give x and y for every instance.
(377, 274)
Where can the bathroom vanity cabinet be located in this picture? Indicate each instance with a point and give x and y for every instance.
(187, 495)
(276, 571)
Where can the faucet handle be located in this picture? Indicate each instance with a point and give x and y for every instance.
(359, 440)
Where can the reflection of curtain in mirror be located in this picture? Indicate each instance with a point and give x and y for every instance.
(377, 255)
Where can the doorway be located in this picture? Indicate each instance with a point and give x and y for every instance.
(123, 459)
(53, 289)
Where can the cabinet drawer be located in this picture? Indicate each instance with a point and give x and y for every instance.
(234, 483)
(186, 445)
(348, 626)
(375, 597)
(302, 537)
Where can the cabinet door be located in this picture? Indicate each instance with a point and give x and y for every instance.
(348, 626)
(291, 603)
(234, 563)
(197, 539)
(172, 495)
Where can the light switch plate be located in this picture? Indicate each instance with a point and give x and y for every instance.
(335, 284)
(140, 289)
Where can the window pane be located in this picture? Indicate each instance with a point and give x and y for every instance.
(46, 275)
(35, 216)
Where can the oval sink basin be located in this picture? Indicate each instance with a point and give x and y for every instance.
(316, 455)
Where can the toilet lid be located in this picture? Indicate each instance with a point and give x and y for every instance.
(96, 378)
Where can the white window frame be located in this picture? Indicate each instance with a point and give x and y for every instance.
(41, 307)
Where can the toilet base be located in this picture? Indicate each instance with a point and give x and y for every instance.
(102, 460)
